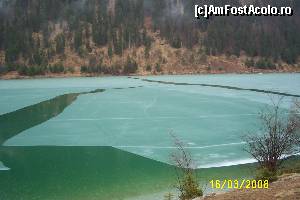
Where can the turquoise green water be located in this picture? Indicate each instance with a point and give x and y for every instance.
(45, 121)
(89, 173)
(79, 173)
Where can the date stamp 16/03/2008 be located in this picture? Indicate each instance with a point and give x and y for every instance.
(239, 184)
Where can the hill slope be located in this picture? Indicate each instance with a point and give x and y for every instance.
(142, 36)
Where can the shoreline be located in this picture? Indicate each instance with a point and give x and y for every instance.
(16, 76)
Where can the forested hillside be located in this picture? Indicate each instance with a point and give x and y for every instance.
(129, 36)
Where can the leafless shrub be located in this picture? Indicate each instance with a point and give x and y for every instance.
(295, 114)
(279, 138)
(187, 183)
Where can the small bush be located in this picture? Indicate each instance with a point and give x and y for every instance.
(187, 182)
(83, 69)
(265, 174)
(176, 42)
(12, 67)
(220, 68)
(56, 69)
(71, 70)
(265, 64)
(3, 70)
(189, 187)
(148, 68)
(130, 67)
(92, 69)
(158, 67)
(114, 69)
(101, 69)
(249, 63)
(32, 70)
(22, 70)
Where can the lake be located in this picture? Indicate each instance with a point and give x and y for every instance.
(109, 137)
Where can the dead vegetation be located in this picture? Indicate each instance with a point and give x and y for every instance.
(187, 181)
(278, 138)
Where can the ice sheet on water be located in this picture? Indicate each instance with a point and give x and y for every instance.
(3, 167)
(16, 94)
(199, 116)
(278, 82)
(284, 83)
(142, 119)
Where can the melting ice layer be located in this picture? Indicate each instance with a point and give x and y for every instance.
(2, 167)
(139, 120)
(209, 120)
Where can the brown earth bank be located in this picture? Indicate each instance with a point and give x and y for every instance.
(171, 61)
(15, 75)
(286, 188)
(229, 69)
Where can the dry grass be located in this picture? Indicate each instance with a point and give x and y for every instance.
(286, 188)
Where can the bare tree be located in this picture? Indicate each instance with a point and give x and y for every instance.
(187, 182)
(295, 114)
(279, 138)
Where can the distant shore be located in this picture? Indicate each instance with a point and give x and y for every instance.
(15, 75)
